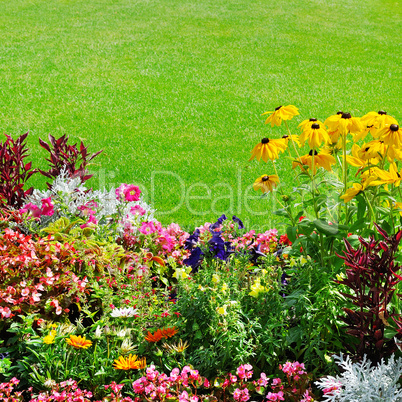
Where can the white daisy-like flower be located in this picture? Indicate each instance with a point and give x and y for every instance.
(124, 312)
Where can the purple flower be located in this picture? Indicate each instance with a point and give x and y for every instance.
(195, 259)
(192, 240)
(217, 223)
(238, 221)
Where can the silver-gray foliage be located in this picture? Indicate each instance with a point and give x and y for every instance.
(362, 382)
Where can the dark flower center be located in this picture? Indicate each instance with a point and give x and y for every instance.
(366, 149)
(340, 112)
(265, 178)
(346, 116)
(278, 108)
(313, 119)
(285, 136)
(399, 176)
(311, 152)
(315, 125)
(382, 112)
(394, 127)
(265, 141)
(370, 126)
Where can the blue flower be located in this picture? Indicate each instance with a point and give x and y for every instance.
(255, 253)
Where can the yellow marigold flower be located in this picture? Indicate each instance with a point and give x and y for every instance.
(268, 149)
(341, 124)
(79, 342)
(391, 135)
(373, 121)
(49, 339)
(281, 113)
(129, 363)
(315, 134)
(321, 159)
(266, 183)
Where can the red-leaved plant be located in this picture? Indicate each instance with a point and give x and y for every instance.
(371, 278)
(14, 172)
(68, 157)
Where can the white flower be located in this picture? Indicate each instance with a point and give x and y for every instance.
(124, 312)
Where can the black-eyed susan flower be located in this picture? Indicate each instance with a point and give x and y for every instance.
(266, 183)
(321, 159)
(392, 176)
(373, 149)
(129, 363)
(268, 149)
(309, 122)
(294, 138)
(342, 124)
(281, 113)
(391, 135)
(315, 134)
(373, 121)
(356, 189)
(79, 342)
(356, 160)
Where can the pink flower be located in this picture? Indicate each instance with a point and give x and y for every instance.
(132, 193)
(275, 396)
(33, 209)
(183, 396)
(137, 210)
(91, 221)
(47, 207)
(147, 228)
(263, 380)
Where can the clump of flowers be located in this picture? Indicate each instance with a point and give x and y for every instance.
(66, 391)
(79, 342)
(296, 387)
(7, 393)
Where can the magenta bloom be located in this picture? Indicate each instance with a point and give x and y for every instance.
(47, 207)
(132, 193)
(147, 228)
(91, 220)
(33, 209)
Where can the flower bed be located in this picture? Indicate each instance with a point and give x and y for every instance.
(100, 301)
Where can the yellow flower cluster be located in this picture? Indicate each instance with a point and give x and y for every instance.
(331, 135)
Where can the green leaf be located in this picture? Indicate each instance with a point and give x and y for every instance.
(291, 231)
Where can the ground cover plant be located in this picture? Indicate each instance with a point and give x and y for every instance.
(100, 301)
(179, 86)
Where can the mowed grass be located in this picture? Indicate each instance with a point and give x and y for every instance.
(173, 90)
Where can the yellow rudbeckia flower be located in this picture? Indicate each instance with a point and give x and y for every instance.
(374, 121)
(315, 134)
(342, 124)
(266, 183)
(268, 149)
(391, 135)
(373, 149)
(356, 160)
(321, 159)
(356, 189)
(390, 177)
(281, 113)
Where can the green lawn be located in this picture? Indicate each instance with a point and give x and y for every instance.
(173, 90)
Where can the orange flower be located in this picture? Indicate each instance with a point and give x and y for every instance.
(169, 332)
(130, 362)
(161, 333)
(155, 337)
(79, 342)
